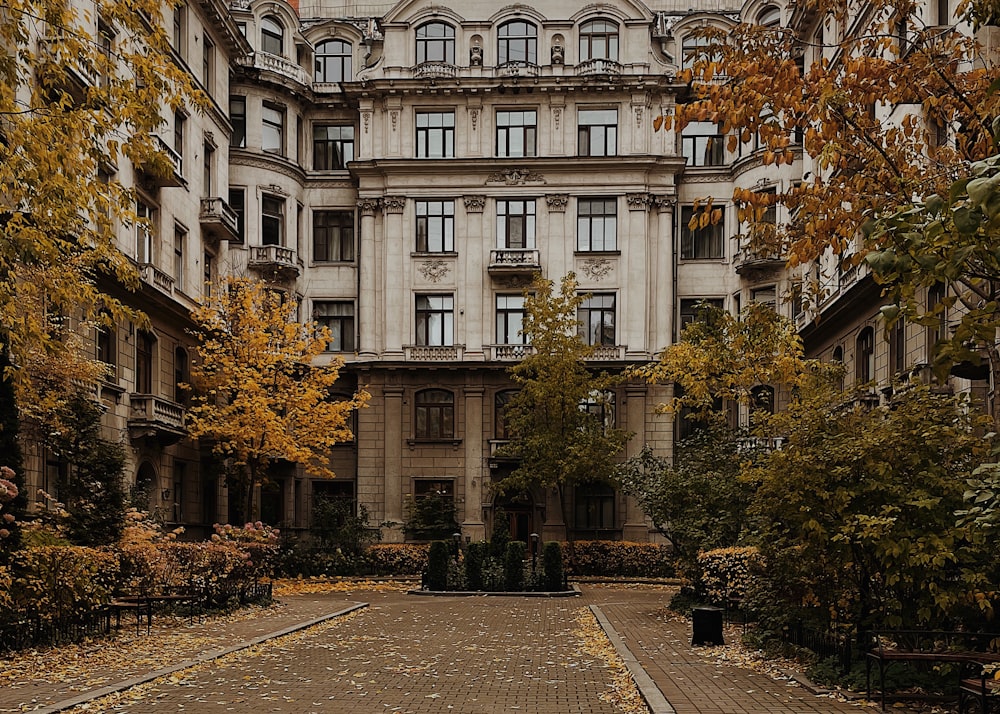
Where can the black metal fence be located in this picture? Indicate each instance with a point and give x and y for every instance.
(827, 644)
(38, 631)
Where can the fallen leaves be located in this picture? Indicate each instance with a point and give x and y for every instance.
(624, 693)
(309, 586)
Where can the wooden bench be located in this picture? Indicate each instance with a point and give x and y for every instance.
(929, 646)
(978, 686)
(142, 605)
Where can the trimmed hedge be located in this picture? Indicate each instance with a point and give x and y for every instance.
(726, 572)
(437, 566)
(397, 558)
(513, 566)
(613, 558)
(59, 582)
(552, 567)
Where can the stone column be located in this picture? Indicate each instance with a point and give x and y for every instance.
(554, 527)
(392, 476)
(395, 292)
(472, 525)
(662, 276)
(476, 330)
(368, 290)
(635, 303)
(634, 528)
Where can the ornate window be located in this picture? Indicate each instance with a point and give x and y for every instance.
(516, 133)
(434, 414)
(272, 36)
(436, 43)
(599, 40)
(333, 61)
(517, 42)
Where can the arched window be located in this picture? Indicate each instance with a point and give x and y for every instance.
(599, 40)
(272, 36)
(517, 42)
(436, 43)
(770, 16)
(501, 430)
(864, 357)
(333, 61)
(434, 414)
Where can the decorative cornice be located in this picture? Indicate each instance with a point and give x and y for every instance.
(664, 203)
(638, 201)
(514, 282)
(597, 268)
(433, 270)
(557, 202)
(515, 177)
(475, 203)
(369, 206)
(393, 204)
(276, 164)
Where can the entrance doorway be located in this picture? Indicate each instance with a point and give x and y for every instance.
(519, 512)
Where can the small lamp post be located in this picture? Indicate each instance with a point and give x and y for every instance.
(534, 550)
(457, 539)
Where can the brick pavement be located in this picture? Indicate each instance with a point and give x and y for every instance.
(442, 654)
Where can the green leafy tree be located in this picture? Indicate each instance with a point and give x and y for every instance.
(260, 398)
(855, 515)
(558, 440)
(430, 517)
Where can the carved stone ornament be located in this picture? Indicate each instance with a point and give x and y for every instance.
(597, 268)
(433, 270)
(366, 118)
(394, 116)
(515, 282)
(515, 177)
(638, 201)
(369, 206)
(393, 204)
(474, 116)
(664, 203)
(475, 204)
(557, 115)
(475, 56)
(638, 117)
(557, 202)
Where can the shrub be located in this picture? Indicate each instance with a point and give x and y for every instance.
(552, 567)
(727, 572)
(475, 556)
(619, 559)
(61, 581)
(437, 566)
(397, 558)
(430, 517)
(513, 566)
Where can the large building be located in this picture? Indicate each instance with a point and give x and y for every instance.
(403, 169)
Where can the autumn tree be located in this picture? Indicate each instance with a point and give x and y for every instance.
(559, 420)
(77, 95)
(889, 110)
(260, 397)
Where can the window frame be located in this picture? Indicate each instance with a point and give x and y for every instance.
(434, 419)
(602, 332)
(341, 325)
(435, 48)
(525, 44)
(269, 35)
(333, 66)
(508, 209)
(590, 499)
(339, 244)
(516, 137)
(699, 243)
(596, 137)
(588, 37)
(275, 218)
(588, 220)
(434, 323)
(864, 356)
(240, 209)
(332, 153)
(434, 136)
(272, 121)
(238, 120)
(443, 220)
(508, 312)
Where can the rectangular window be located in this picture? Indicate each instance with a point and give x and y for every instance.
(207, 169)
(272, 220)
(435, 226)
(180, 238)
(179, 25)
(333, 236)
(208, 274)
(180, 122)
(598, 132)
(333, 147)
(516, 133)
(597, 224)
(696, 309)
(273, 129)
(435, 135)
(208, 64)
(144, 233)
(516, 224)
(338, 317)
(703, 145)
(594, 507)
(434, 414)
(510, 319)
(237, 202)
(443, 489)
(596, 316)
(702, 243)
(238, 116)
(435, 320)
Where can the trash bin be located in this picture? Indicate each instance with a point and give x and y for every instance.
(706, 626)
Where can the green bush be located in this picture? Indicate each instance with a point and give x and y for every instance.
(396, 558)
(607, 558)
(60, 581)
(552, 567)
(475, 556)
(727, 572)
(513, 566)
(437, 566)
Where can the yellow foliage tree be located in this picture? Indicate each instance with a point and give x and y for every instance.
(259, 396)
(80, 92)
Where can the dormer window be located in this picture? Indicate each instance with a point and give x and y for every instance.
(272, 36)
(517, 42)
(333, 61)
(436, 43)
(599, 40)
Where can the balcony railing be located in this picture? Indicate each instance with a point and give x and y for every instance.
(153, 416)
(517, 69)
(598, 66)
(277, 64)
(509, 353)
(172, 174)
(519, 260)
(218, 220)
(79, 70)
(433, 353)
(151, 275)
(429, 70)
(274, 257)
(608, 353)
(747, 260)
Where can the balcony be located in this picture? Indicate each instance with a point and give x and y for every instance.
(156, 278)
(218, 220)
(434, 70)
(274, 259)
(166, 169)
(607, 353)
(80, 75)
(433, 353)
(152, 417)
(748, 261)
(598, 67)
(508, 353)
(517, 69)
(519, 261)
(278, 65)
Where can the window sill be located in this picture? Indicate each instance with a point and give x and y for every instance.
(720, 259)
(332, 263)
(414, 443)
(434, 254)
(598, 252)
